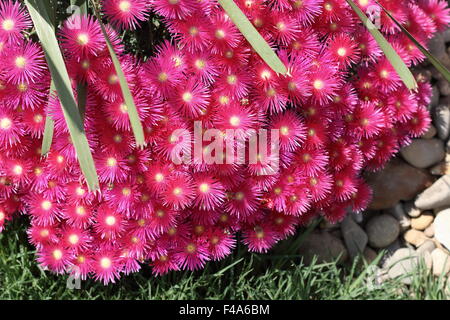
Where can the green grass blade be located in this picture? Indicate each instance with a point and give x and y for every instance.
(136, 124)
(434, 61)
(395, 60)
(49, 127)
(46, 34)
(253, 37)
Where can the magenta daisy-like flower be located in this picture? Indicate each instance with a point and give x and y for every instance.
(55, 257)
(106, 266)
(109, 224)
(125, 14)
(13, 20)
(192, 255)
(24, 63)
(209, 192)
(81, 38)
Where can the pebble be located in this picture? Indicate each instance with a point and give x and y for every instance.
(444, 87)
(399, 213)
(382, 230)
(441, 262)
(415, 237)
(440, 169)
(411, 210)
(369, 255)
(434, 97)
(402, 264)
(427, 246)
(324, 246)
(423, 153)
(354, 237)
(441, 118)
(398, 181)
(437, 195)
(429, 232)
(422, 222)
(442, 228)
(431, 132)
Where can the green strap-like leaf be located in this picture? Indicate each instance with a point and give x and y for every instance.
(136, 124)
(49, 127)
(54, 57)
(395, 60)
(253, 37)
(82, 4)
(434, 61)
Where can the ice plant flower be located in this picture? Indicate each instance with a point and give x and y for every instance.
(340, 109)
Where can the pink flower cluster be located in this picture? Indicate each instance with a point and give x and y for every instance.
(340, 109)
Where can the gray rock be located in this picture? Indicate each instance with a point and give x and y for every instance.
(397, 181)
(323, 246)
(444, 87)
(427, 246)
(437, 46)
(399, 213)
(382, 230)
(441, 262)
(403, 263)
(441, 119)
(437, 195)
(357, 217)
(431, 132)
(354, 237)
(442, 228)
(422, 153)
(434, 97)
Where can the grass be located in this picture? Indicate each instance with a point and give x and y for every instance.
(242, 276)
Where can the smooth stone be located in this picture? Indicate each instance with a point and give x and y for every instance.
(411, 209)
(423, 153)
(422, 222)
(369, 255)
(427, 246)
(444, 87)
(441, 119)
(440, 169)
(415, 237)
(357, 217)
(399, 213)
(442, 228)
(437, 46)
(441, 262)
(437, 195)
(382, 230)
(403, 263)
(323, 246)
(431, 132)
(354, 237)
(434, 97)
(429, 232)
(397, 181)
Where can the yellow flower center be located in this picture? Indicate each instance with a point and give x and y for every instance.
(83, 39)
(21, 62)
(8, 24)
(124, 6)
(5, 123)
(110, 220)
